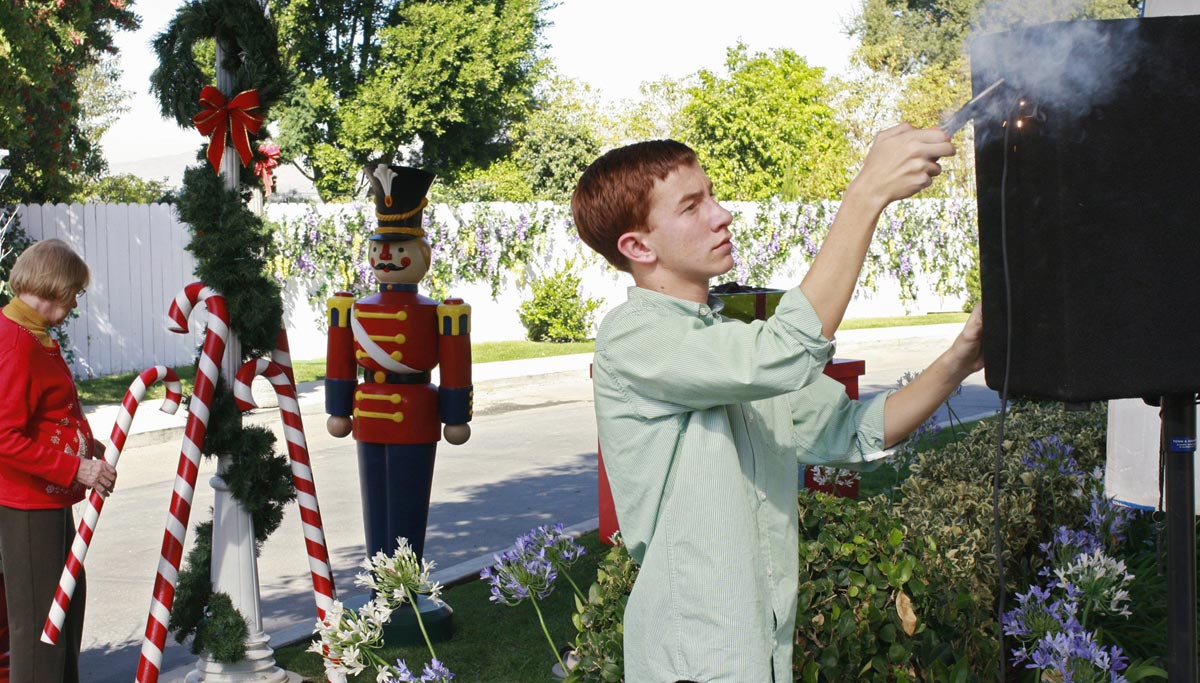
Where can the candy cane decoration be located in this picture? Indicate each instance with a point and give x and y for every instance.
(150, 661)
(302, 479)
(87, 525)
(282, 354)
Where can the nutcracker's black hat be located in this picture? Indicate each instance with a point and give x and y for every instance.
(399, 198)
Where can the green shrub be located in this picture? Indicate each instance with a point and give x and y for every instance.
(947, 504)
(858, 578)
(974, 288)
(599, 645)
(558, 311)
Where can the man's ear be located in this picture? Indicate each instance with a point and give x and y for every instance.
(633, 246)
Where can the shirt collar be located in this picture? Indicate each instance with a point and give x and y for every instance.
(26, 316)
(667, 302)
(397, 287)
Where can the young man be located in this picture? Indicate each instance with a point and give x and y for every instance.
(703, 420)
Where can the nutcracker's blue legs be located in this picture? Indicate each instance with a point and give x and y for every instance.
(395, 480)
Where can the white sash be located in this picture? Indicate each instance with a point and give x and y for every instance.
(377, 354)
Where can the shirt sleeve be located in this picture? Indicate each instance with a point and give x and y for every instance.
(828, 428)
(17, 406)
(678, 363)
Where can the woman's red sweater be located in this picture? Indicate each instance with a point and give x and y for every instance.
(42, 429)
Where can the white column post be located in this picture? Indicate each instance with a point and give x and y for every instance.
(234, 566)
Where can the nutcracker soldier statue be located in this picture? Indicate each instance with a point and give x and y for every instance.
(382, 348)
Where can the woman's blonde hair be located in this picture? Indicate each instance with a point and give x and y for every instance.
(50, 270)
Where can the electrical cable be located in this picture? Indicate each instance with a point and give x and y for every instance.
(996, 515)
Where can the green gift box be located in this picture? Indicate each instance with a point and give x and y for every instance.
(747, 303)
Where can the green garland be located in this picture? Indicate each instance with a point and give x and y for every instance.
(232, 248)
(255, 63)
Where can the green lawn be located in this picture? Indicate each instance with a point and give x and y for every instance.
(111, 389)
(492, 643)
(902, 321)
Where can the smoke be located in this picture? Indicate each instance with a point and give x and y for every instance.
(1068, 67)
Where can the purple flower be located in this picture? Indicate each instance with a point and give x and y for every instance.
(1065, 545)
(522, 228)
(1075, 656)
(403, 674)
(1036, 615)
(305, 263)
(1107, 521)
(520, 573)
(1050, 454)
(532, 565)
(436, 672)
(561, 550)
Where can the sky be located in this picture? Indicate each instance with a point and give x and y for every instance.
(613, 45)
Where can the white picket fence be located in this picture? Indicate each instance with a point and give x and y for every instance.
(138, 264)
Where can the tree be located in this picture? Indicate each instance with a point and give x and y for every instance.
(126, 188)
(921, 44)
(45, 49)
(905, 36)
(440, 84)
(559, 139)
(767, 130)
(658, 113)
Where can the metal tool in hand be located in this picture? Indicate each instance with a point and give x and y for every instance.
(971, 109)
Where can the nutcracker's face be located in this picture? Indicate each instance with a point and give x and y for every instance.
(399, 262)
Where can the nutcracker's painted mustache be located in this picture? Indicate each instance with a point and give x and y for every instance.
(388, 267)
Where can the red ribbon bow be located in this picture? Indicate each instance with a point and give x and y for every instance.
(264, 166)
(237, 116)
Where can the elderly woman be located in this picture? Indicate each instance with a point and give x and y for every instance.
(46, 460)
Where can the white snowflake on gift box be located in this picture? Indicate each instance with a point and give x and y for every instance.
(833, 476)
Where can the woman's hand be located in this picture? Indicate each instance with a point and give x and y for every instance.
(97, 475)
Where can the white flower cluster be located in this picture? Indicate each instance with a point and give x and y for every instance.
(347, 639)
(397, 579)
(1102, 581)
(351, 640)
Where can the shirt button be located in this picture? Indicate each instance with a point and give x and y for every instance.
(770, 572)
(762, 495)
(704, 310)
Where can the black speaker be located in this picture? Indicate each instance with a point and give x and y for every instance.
(1089, 208)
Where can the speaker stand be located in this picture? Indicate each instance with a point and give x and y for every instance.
(1179, 449)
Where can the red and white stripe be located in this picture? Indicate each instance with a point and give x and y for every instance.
(87, 525)
(282, 354)
(302, 476)
(150, 661)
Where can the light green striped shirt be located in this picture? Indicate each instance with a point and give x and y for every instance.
(703, 421)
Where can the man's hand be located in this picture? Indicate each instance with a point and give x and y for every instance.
(913, 404)
(339, 426)
(97, 475)
(967, 348)
(901, 162)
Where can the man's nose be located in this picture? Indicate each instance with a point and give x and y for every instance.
(385, 251)
(723, 216)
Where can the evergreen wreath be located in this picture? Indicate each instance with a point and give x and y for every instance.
(232, 247)
(255, 63)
